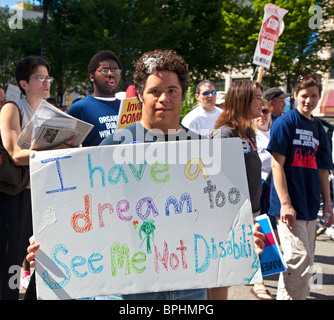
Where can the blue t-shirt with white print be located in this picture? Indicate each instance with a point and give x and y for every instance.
(101, 113)
(305, 145)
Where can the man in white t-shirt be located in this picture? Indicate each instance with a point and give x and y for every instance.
(202, 118)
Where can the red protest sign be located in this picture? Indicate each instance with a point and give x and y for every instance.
(269, 35)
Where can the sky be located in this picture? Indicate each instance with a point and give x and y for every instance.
(8, 3)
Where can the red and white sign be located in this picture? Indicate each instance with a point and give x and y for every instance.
(271, 29)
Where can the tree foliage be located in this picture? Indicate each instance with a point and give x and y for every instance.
(213, 36)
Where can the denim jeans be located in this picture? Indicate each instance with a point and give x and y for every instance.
(192, 294)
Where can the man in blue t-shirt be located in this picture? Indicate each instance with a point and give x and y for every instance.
(101, 107)
(301, 161)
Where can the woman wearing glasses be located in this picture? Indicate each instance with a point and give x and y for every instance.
(243, 103)
(301, 161)
(262, 131)
(32, 76)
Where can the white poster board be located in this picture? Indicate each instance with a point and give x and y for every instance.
(142, 218)
(13, 93)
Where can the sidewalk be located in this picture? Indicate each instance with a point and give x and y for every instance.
(323, 280)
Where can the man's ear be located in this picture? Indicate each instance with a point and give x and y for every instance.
(295, 95)
(140, 97)
(91, 77)
(196, 96)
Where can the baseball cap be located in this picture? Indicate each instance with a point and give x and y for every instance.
(272, 93)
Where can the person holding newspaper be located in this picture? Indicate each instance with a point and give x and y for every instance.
(32, 76)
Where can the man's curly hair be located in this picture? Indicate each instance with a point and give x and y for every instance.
(160, 60)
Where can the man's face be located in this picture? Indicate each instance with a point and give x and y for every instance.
(307, 100)
(207, 101)
(2, 98)
(277, 106)
(105, 85)
(161, 101)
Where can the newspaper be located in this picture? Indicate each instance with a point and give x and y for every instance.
(49, 127)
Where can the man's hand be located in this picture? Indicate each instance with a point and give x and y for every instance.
(288, 215)
(31, 251)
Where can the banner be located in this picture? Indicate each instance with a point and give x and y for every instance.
(271, 259)
(272, 27)
(129, 112)
(142, 218)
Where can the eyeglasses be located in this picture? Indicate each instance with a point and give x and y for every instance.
(106, 72)
(306, 77)
(207, 93)
(265, 111)
(42, 79)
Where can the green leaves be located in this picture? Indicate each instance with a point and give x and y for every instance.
(212, 36)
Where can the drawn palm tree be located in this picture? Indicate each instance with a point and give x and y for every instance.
(147, 228)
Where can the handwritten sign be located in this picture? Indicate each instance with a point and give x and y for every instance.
(272, 27)
(129, 112)
(271, 259)
(142, 218)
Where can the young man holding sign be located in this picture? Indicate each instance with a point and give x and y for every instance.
(161, 81)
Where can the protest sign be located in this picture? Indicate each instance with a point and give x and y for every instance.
(142, 218)
(129, 112)
(272, 27)
(271, 259)
(13, 93)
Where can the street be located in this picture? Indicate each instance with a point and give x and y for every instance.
(323, 279)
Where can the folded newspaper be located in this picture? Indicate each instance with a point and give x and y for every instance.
(49, 127)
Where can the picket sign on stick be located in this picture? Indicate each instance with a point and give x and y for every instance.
(272, 27)
(260, 74)
(142, 218)
(129, 112)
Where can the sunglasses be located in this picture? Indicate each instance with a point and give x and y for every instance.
(306, 77)
(265, 111)
(207, 93)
